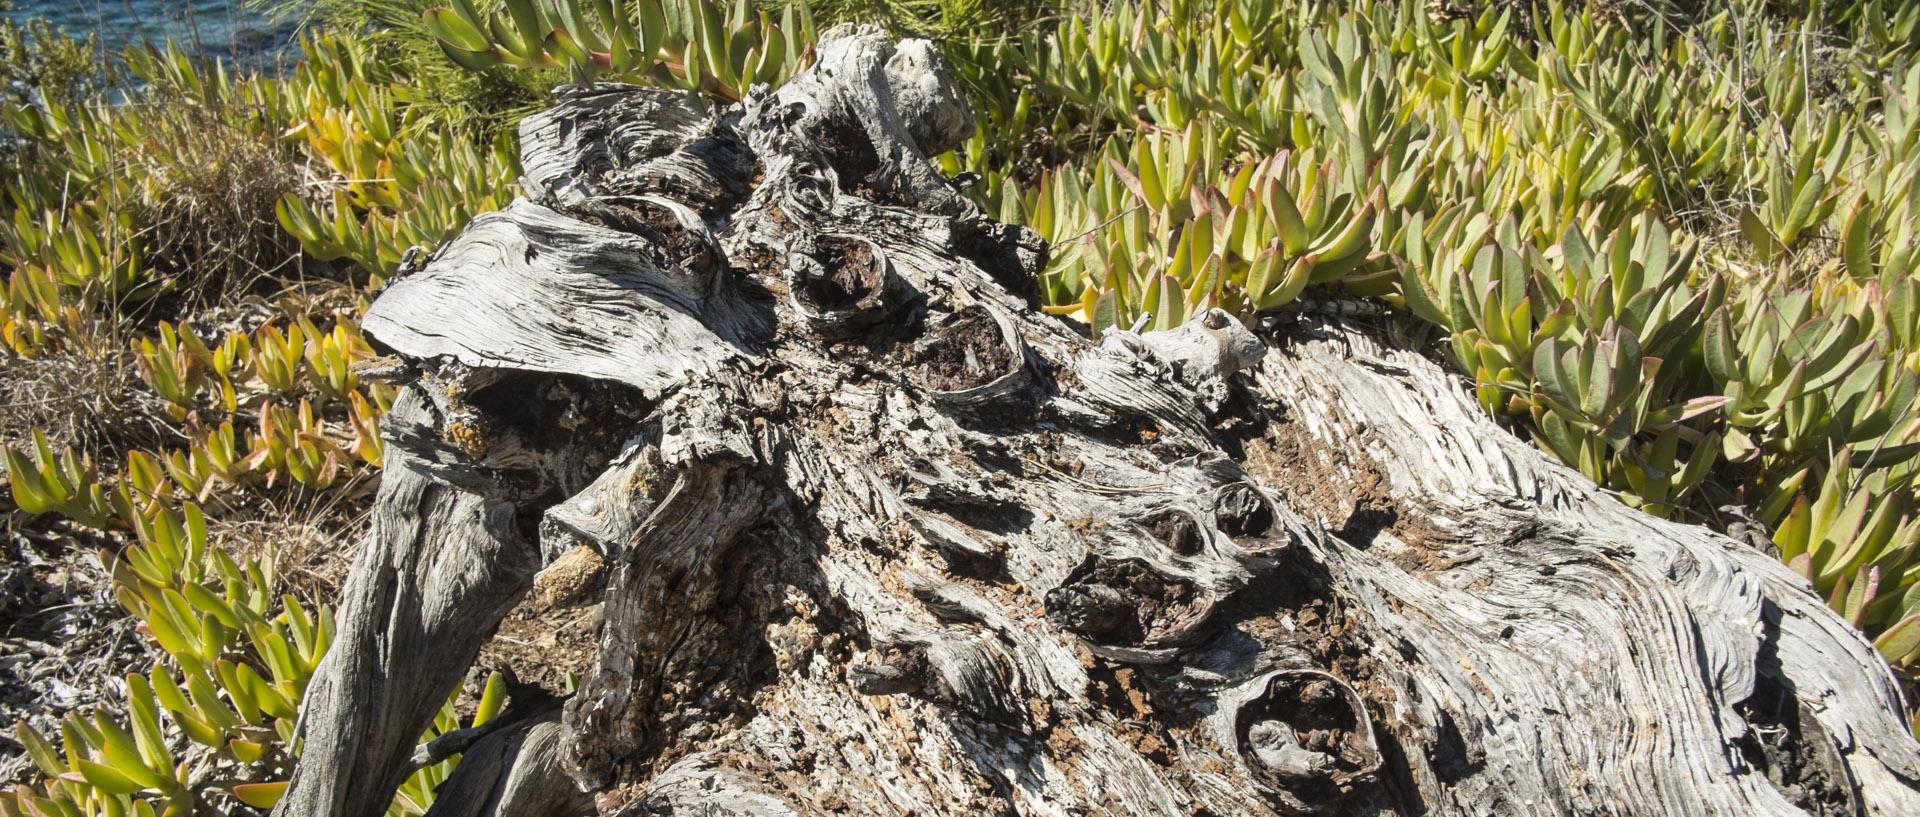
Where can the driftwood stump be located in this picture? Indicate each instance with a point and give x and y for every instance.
(882, 539)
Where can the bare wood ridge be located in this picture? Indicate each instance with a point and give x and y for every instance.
(881, 538)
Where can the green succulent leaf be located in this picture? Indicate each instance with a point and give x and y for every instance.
(260, 795)
(449, 28)
(108, 779)
(1900, 643)
(44, 756)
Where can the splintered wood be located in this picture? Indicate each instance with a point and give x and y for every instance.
(868, 534)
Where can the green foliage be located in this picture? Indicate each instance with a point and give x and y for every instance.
(398, 184)
(954, 23)
(240, 661)
(64, 483)
(1677, 250)
(1182, 237)
(115, 205)
(691, 44)
(40, 61)
(1674, 244)
(172, 367)
(93, 249)
(290, 441)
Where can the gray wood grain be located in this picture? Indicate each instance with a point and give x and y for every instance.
(939, 553)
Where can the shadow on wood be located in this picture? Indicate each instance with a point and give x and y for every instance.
(883, 539)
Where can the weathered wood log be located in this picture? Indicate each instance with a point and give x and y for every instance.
(513, 770)
(882, 539)
(436, 558)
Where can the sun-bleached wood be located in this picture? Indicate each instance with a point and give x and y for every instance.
(881, 538)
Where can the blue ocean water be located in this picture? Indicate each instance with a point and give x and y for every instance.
(221, 28)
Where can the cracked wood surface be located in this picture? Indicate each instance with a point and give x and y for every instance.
(880, 538)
